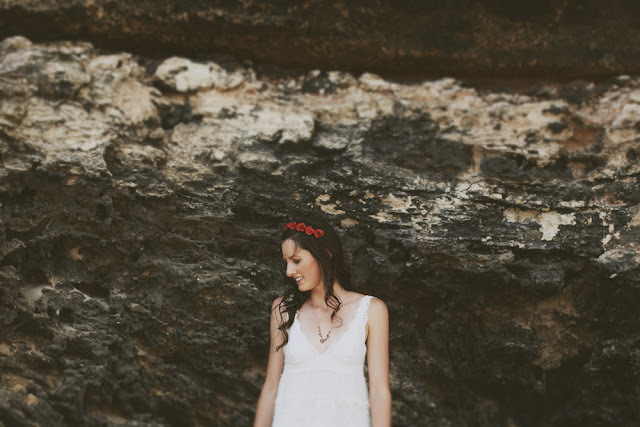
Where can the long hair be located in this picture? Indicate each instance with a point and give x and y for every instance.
(327, 251)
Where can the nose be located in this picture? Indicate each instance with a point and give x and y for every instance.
(290, 269)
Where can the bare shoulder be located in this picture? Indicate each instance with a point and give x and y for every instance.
(378, 310)
(277, 309)
(276, 302)
(378, 319)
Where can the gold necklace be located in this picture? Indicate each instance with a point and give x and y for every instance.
(322, 340)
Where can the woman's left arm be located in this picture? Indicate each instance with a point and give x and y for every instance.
(378, 363)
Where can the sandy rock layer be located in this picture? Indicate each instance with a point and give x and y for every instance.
(142, 199)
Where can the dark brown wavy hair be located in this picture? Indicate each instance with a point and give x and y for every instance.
(327, 251)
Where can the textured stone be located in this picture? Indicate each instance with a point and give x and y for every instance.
(183, 75)
(470, 38)
(139, 226)
(331, 142)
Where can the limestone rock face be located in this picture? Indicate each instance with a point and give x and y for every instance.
(142, 201)
(463, 38)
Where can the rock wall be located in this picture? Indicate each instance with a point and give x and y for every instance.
(142, 200)
(462, 38)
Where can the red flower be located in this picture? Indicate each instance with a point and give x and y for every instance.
(317, 233)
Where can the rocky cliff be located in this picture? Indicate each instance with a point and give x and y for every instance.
(142, 199)
(461, 38)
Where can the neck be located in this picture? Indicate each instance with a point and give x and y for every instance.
(318, 294)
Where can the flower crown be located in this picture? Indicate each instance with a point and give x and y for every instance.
(317, 233)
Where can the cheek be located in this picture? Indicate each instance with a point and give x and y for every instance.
(307, 266)
(316, 269)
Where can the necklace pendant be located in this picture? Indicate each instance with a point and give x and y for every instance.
(322, 340)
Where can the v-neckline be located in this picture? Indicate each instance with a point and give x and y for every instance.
(317, 352)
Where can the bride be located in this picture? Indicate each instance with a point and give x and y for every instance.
(321, 332)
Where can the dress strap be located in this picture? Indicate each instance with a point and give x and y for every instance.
(362, 314)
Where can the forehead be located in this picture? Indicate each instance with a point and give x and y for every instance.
(289, 249)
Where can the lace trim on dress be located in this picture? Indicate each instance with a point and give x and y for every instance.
(363, 314)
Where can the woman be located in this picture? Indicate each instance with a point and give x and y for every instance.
(320, 333)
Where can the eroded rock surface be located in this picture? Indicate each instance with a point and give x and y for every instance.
(463, 38)
(142, 200)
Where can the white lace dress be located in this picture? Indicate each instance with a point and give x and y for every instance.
(328, 388)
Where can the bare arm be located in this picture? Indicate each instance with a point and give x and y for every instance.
(266, 402)
(378, 362)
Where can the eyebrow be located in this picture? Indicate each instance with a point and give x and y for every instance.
(291, 257)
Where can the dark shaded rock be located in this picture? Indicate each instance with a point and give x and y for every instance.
(139, 228)
(413, 144)
(557, 127)
(470, 38)
(500, 166)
